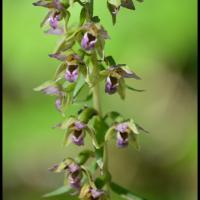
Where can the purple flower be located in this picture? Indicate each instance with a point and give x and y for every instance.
(51, 90)
(75, 176)
(58, 103)
(58, 5)
(54, 19)
(111, 85)
(79, 125)
(49, 4)
(122, 134)
(96, 193)
(91, 193)
(53, 22)
(71, 74)
(88, 42)
(77, 136)
(115, 78)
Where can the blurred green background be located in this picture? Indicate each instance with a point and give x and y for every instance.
(159, 42)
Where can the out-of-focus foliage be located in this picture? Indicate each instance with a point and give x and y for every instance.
(158, 40)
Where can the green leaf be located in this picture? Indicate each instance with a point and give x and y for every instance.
(69, 87)
(100, 127)
(124, 193)
(89, 9)
(133, 89)
(87, 114)
(103, 74)
(82, 16)
(46, 85)
(99, 157)
(100, 47)
(121, 88)
(79, 86)
(92, 134)
(102, 180)
(133, 140)
(61, 68)
(60, 47)
(67, 122)
(67, 16)
(141, 128)
(88, 175)
(110, 133)
(59, 191)
(46, 18)
(109, 60)
(67, 138)
(84, 156)
(115, 116)
(96, 19)
(133, 126)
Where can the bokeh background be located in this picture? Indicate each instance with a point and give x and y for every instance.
(159, 42)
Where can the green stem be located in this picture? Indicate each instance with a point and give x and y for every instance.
(96, 99)
(97, 106)
(95, 74)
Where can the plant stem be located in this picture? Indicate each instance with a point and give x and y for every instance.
(95, 74)
(97, 106)
(96, 99)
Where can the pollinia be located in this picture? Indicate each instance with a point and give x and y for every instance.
(75, 86)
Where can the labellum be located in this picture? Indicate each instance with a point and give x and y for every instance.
(111, 85)
(88, 41)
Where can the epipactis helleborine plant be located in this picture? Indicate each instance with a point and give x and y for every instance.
(82, 66)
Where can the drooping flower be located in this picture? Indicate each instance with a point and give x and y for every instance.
(73, 172)
(71, 74)
(53, 89)
(77, 128)
(124, 131)
(115, 78)
(96, 193)
(71, 65)
(88, 41)
(77, 133)
(111, 85)
(122, 134)
(53, 20)
(94, 36)
(74, 176)
(90, 193)
(72, 71)
(55, 14)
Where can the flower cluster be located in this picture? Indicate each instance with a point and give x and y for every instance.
(82, 66)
